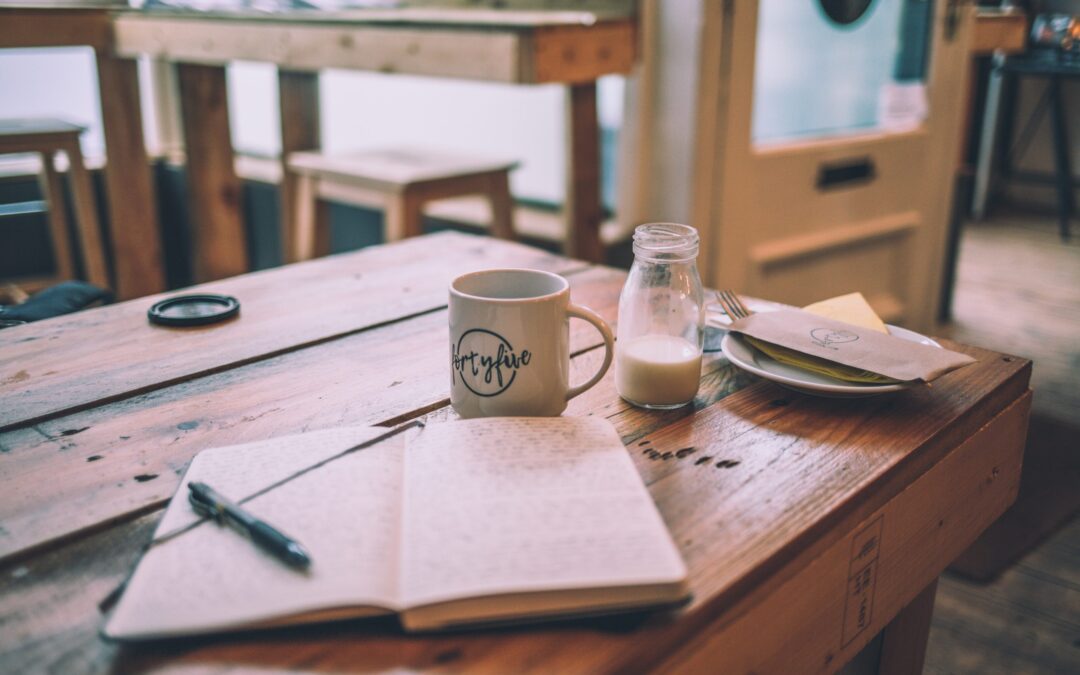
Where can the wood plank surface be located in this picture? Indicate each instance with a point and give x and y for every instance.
(476, 54)
(834, 598)
(126, 457)
(54, 27)
(515, 47)
(581, 53)
(50, 367)
(779, 502)
(995, 31)
(727, 514)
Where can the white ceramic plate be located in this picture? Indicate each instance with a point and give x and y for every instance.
(744, 356)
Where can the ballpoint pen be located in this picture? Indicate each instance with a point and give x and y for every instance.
(208, 502)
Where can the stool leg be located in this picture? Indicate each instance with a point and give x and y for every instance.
(1061, 157)
(53, 190)
(403, 216)
(322, 227)
(86, 212)
(502, 206)
(303, 231)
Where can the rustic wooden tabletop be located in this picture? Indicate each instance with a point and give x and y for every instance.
(809, 525)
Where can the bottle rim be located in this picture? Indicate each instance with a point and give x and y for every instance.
(667, 241)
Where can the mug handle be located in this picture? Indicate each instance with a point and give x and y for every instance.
(579, 312)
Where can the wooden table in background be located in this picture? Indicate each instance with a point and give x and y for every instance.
(809, 525)
(507, 46)
(132, 209)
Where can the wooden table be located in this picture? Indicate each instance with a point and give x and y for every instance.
(132, 209)
(507, 46)
(809, 525)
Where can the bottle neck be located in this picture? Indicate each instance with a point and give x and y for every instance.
(665, 243)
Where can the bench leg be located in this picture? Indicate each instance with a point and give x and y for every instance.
(52, 188)
(298, 94)
(129, 185)
(502, 206)
(583, 211)
(1062, 167)
(216, 192)
(904, 647)
(87, 218)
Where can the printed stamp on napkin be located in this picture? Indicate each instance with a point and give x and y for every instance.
(851, 345)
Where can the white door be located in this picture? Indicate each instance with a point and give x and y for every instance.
(827, 142)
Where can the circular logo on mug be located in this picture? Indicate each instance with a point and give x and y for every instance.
(486, 362)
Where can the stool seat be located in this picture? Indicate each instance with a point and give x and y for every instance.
(47, 137)
(402, 180)
(395, 168)
(23, 126)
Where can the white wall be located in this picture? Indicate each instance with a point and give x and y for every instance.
(656, 160)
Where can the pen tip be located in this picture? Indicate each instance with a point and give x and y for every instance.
(298, 557)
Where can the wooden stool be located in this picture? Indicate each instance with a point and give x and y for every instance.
(47, 137)
(402, 181)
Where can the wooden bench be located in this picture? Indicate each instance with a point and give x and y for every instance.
(400, 180)
(47, 137)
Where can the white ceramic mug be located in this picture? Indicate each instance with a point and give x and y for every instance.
(510, 343)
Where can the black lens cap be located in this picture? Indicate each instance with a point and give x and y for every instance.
(193, 310)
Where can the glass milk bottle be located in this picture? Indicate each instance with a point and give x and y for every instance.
(661, 319)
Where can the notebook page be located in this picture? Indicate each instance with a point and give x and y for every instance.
(346, 514)
(504, 505)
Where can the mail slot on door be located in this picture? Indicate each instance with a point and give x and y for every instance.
(845, 173)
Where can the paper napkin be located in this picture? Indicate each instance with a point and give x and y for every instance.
(868, 355)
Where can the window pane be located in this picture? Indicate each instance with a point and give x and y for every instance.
(816, 77)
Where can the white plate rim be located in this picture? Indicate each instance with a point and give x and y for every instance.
(732, 344)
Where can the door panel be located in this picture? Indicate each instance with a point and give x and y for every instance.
(864, 208)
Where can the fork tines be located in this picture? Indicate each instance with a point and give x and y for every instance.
(732, 305)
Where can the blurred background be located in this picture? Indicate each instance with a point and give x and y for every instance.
(923, 152)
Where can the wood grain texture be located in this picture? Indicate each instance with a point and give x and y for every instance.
(125, 457)
(54, 27)
(581, 53)
(220, 241)
(582, 210)
(133, 220)
(769, 494)
(500, 46)
(50, 367)
(998, 31)
(830, 599)
(298, 100)
(460, 52)
(726, 519)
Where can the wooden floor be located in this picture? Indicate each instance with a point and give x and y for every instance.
(1018, 291)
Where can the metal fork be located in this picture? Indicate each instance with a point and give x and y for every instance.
(732, 305)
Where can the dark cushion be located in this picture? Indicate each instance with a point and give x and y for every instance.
(63, 298)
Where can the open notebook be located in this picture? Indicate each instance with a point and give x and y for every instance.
(462, 522)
